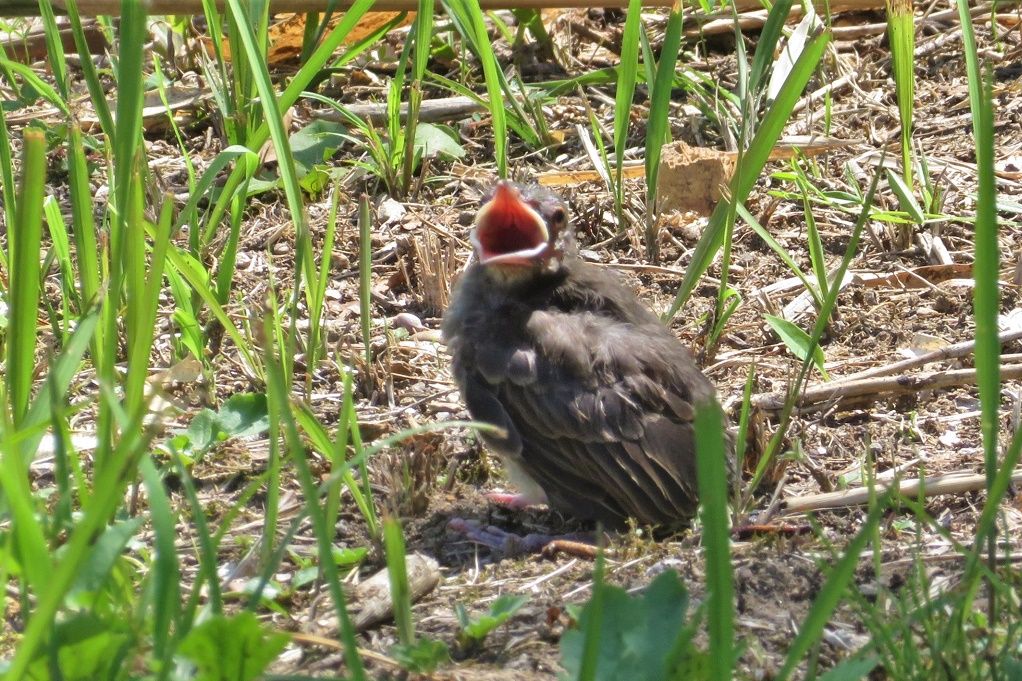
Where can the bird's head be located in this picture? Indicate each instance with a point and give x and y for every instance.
(520, 229)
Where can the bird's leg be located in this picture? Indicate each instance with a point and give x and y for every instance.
(509, 544)
(514, 502)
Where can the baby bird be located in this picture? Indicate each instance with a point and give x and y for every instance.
(595, 396)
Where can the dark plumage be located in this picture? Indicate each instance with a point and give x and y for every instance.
(597, 396)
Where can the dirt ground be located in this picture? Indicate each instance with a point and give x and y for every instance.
(417, 251)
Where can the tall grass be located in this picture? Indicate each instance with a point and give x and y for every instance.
(751, 161)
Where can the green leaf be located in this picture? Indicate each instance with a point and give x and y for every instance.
(437, 140)
(501, 611)
(232, 648)
(852, 669)
(349, 557)
(642, 638)
(242, 415)
(1013, 669)
(421, 657)
(86, 648)
(906, 199)
(105, 551)
(314, 144)
(797, 340)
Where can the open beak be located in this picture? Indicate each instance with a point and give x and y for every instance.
(509, 231)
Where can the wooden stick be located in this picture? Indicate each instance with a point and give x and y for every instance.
(950, 352)
(949, 483)
(430, 110)
(33, 46)
(869, 389)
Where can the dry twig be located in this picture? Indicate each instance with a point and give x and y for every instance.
(949, 483)
(870, 389)
(950, 352)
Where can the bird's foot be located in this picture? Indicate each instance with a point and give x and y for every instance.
(509, 544)
(514, 502)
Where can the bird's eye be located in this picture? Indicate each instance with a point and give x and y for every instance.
(558, 216)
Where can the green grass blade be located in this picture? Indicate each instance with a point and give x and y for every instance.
(777, 248)
(901, 33)
(658, 127)
(54, 48)
(400, 594)
(468, 18)
(280, 406)
(815, 243)
(712, 477)
(591, 646)
(125, 223)
(365, 278)
(84, 227)
(317, 291)
(89, 73)
(752, 163)
(24, 242)
(165, 576)
(62, 254)
(986, 302)
(7, 181)
(766, 45)
(137, 327)
(304, 269)
(625, 94)
(986, 294)
(26, 532)
(130, 94)
(906, 199)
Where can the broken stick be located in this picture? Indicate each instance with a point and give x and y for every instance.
(871, 389)
(949, 483)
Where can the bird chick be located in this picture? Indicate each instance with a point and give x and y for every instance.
(594, 395)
